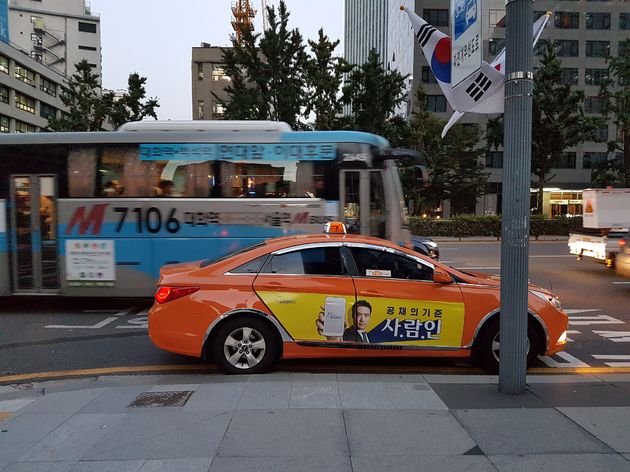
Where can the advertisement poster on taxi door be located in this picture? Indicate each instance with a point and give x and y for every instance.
(321, 317)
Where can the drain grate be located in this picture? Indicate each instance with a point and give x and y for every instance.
(160, 399)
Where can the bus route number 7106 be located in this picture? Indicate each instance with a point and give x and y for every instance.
(149, 219)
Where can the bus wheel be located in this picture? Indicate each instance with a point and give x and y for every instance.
(487, 347)
(244, 345)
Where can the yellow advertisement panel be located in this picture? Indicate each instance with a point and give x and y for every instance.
(315, 316)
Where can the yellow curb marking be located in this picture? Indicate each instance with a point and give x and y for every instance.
(5, 415)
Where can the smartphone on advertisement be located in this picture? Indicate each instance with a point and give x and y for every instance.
(334, 316)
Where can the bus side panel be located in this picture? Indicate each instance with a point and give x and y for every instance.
(116, 246)
(5, 270)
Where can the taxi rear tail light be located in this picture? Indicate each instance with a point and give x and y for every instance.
(167, 294)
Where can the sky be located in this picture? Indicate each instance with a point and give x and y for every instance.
(155, 39)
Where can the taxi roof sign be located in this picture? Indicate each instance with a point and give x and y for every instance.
(335, 227)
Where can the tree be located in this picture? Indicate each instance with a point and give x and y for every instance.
(88, 108)
(558, 120)
(615, 95)
(374, 95)
(268, 79)
(455, 170)
(132, 106)
(324, 75)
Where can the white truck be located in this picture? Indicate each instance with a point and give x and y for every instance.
(606, 218)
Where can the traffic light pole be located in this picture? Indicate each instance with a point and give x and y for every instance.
(517, 150)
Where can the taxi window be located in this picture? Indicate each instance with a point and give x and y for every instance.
(315, 261)
(251, 267)
(376, 263)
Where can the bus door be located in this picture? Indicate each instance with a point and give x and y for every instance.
(363, 202)
(33, 213)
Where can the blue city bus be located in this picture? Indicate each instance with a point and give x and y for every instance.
(98, 214)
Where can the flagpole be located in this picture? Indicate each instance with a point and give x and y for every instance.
(519, 85)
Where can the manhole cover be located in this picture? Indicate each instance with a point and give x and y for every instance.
(158, 399)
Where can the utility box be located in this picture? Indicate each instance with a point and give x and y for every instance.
(606, 208)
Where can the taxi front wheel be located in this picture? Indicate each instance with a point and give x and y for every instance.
(487, 347)
(244, 346)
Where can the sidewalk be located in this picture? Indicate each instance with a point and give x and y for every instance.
(316, 422)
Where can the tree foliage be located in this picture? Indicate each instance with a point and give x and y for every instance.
(615, 94)
(91, 109)
(456, 172)
(558, 120)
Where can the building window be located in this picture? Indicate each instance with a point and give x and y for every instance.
(4, 94)
(21, 127)
(565, 161)
(436, 103)
(25, 103)
(595, 76)
(541, 46)
(494, 159)
(591, 159)
(427, 75)
(567, 20)
(598, 21)
(87, 48)
(569, 76)
(36, 39)
(601, 134)
(497, 18)
(37, 56)
(568, 47)
(597, 48)
(4, 124)
(4, 65)
(25, 75)
(46, 111)
(593, 104)
(495, 45)
(218, 73)
(200, 109)
(48, 87)
(87, 27)
(435, 17)
(622, 48)
(199, 71)
(218, 110)
(624, 21)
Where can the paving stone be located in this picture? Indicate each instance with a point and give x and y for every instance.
(461, 379)
(364, 395)
(560, 463)
(313, 394)
(285, 433)
(114, 400)
(265, 395)
(39, 467)
(405, 433)
(71, 440)
(216, 396)
(63, 402)
(569, 378)
(281, 464)
(527, 431)
(473, 396)
(610, 424)
(108, 466)
(406, 396)
(455, 463)
(178, 465)
(571, 394)
(162, 434)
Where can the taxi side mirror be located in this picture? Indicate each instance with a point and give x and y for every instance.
(441, 277)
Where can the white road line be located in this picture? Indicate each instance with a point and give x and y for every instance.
(574, 311)
(553, 255)
(125, 312)
(593, 320)
(621, 283)
(571, 331)
(624, 358)
(570, 361)
(615, 336)
(106, 321)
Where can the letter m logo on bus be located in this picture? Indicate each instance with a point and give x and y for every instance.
(93, 220)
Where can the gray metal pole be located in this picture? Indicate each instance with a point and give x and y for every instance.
(516, 207)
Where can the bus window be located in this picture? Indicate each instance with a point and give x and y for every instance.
(377, 205)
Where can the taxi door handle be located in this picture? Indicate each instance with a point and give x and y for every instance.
(370, 292)
(271, 285)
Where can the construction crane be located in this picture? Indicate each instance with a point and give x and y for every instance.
(243, 16)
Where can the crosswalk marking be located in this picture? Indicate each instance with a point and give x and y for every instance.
(568, 360)
(593, 320)
(617, 360)
(615, 336)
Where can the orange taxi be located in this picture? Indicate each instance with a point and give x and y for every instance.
(337, 295)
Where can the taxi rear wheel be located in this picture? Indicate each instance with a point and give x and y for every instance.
(487, 347)
(244, 345)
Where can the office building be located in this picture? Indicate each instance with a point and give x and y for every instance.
(208, 78)
(585, 32)
(57, 33)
